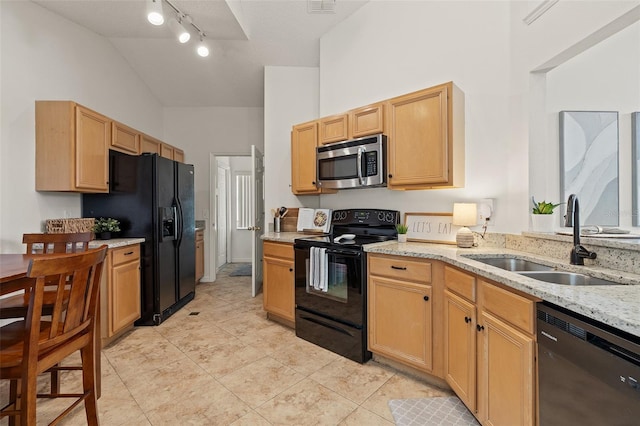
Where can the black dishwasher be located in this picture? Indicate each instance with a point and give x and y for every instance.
(588, 372)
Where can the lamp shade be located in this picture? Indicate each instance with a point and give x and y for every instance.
(179, 30)
(465, 214)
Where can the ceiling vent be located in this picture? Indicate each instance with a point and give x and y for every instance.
(321, 6)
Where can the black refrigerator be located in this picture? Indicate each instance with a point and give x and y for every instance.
(153, 198)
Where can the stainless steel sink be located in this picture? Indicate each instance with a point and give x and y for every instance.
(566, 278)
(513, 264)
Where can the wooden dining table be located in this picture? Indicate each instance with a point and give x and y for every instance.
(13, 270)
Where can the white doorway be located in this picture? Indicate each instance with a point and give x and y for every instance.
(223, 202)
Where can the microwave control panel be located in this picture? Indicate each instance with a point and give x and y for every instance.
(371, 163)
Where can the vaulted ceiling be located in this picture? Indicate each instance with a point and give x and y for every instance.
(243, 36)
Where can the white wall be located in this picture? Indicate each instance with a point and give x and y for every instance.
(604, 78)
(202, 132)
(390, 48)
(290, 97)
(48, 57)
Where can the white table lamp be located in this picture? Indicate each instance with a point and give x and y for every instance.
(465, 214)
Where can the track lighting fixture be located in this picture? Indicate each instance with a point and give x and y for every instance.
(177, 25)
(179, 30)
(202, 49)
(154, 12)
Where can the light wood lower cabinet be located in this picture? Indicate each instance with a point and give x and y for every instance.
(489, 349)
(120, 292)
(278, 280)
(199, 254)
(400, 310)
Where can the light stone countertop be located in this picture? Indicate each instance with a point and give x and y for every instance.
(116, 242)
(615, 305)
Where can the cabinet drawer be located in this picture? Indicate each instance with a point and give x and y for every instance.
(510, 307)
(125, 254)
(283, 250)
(199, 235)
(461, 283)
(400, 267)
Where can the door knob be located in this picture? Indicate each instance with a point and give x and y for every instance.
(256, 228)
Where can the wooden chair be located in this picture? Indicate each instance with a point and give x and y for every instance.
(16, 306)
(33, 345)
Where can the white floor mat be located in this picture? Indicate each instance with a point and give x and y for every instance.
(441, 411)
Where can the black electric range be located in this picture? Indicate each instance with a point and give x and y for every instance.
(332, 312)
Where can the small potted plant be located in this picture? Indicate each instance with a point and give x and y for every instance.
(104, 227)
(542, 217)
(402, 232)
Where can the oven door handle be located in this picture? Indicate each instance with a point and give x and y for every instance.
(326, 324)
(344, 253)
(361, 151)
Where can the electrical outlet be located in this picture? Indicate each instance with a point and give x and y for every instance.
(485, 210)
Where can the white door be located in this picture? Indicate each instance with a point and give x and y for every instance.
(222, 197)
(257, 181)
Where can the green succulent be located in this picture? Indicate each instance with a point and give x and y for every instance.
(543, 207)
(106, 225)
(402, 229)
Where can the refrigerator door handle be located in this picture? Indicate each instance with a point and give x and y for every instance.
(180, 220)
(175, 223)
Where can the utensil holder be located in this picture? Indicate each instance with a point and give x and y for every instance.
(276, 224)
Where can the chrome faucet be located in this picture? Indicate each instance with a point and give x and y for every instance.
(572, 218)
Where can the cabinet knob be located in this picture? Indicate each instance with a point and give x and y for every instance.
(313, 183)
(467, 320)
(390, 175)
(426, 298)
(290, 269)
(479, 327)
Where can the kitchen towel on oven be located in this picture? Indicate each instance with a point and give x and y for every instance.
(318, 268)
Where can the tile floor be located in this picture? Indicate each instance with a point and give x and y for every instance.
(229, 365)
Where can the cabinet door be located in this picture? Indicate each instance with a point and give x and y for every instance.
(460, 347)
(178, 155)
(505, 374)
(400, 324)
(304, 139)
(125, 295)
(418, 148)
(367, 120)
(334, 129)
(124, 138)
(199, 255)
(278, 287)
(149, 144)
(166, 151)
(93, 136)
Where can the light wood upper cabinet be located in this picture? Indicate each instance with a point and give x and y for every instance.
(304, 140)
(166, 151)
(72, 144)
(365, 121)
(124, 139)
(334, 129)
(278, 280)
(426, 138)
(178, 155)
(149, 144)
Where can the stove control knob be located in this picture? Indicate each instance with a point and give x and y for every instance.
(381, 216)
(336, 215)
(390, 217)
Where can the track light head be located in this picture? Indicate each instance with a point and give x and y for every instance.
(179, 30)
(202, 48)
(154, 12)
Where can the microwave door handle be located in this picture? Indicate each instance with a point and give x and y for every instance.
(361, 151)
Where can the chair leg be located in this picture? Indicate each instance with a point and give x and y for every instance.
(55, 381)
(89, 385)
(14, 391)
(29, 385)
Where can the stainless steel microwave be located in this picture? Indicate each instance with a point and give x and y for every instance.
(353, 164)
